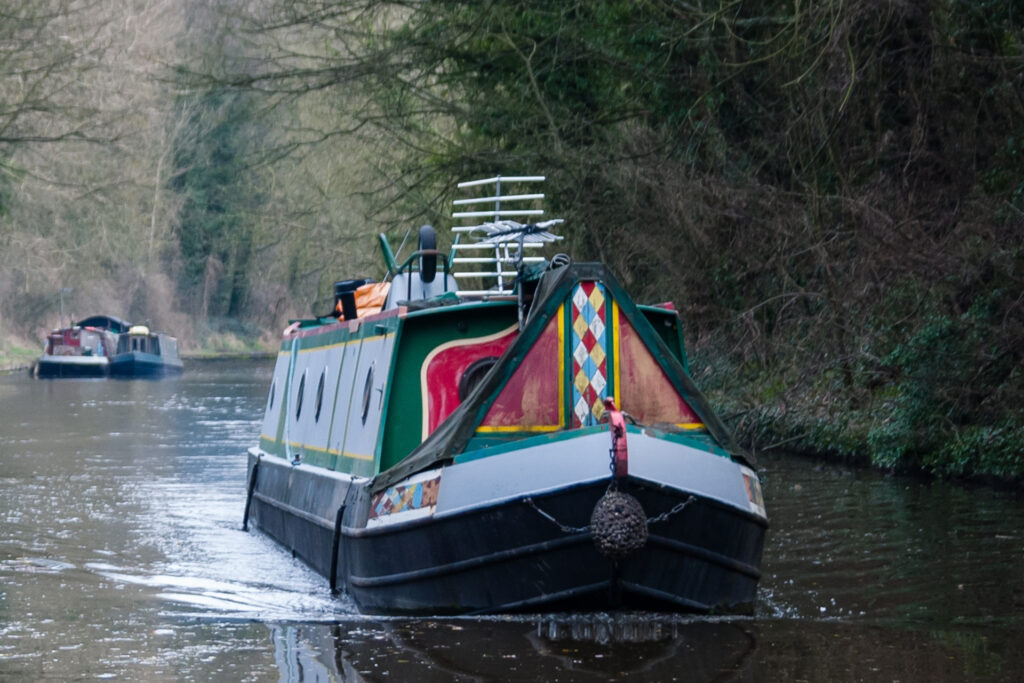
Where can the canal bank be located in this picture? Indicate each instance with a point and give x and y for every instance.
(909, 422)
(18, 355)
(874, 440)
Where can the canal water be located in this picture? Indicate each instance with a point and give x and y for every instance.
(121, 557)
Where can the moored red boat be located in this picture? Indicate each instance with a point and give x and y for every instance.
(534, 443)
(83, 349)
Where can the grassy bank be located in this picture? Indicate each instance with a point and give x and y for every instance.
(18, 354)
(895, 427)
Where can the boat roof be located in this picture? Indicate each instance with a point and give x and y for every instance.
(106, 322)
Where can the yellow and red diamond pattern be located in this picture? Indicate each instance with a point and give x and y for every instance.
(589, 353)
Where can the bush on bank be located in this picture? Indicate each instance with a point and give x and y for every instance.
(939, 393)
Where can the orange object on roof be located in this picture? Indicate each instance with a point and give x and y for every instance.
(370, 299)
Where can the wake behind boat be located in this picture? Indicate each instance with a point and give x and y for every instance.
(531, 443)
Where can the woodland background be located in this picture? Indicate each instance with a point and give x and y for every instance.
(832, 192)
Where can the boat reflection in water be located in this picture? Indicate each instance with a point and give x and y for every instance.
(580, 647)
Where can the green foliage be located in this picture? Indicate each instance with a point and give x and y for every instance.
(815, 182)
(954, 373)
(213, 155)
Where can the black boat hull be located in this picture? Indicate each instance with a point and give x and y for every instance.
(61, 368)
(524, 554)
(512, 557)
(142, 365)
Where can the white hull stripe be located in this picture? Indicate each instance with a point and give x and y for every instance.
(562, 464)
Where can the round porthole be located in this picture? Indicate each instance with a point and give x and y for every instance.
(367, 390)
(320, 395)
(298, 398)
(474, 374)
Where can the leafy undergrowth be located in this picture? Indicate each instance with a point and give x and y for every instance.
(890, 428)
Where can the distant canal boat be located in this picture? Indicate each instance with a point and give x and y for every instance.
(144, 353)
(531, 443)
(83, 349)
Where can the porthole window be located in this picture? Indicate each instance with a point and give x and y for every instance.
(320, 395)
(367, 391)
(298, 397)
(474, 374)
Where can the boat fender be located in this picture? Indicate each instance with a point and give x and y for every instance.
(334, 548)
(428, 261)
(618, 524)
(248, 497)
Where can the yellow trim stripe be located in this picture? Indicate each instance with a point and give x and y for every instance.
(618, 355)
(335, 345)
(299, 444)
(690, 425)
(561, 365)
(485, 429)
(357, 456)
(328, 451)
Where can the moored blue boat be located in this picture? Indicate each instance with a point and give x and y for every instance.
(531, 443)
(144, 353)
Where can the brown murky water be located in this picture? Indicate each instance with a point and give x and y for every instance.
(121, 557)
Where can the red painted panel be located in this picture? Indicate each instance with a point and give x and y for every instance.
(443, 369)
(645, 390)
(530, 398)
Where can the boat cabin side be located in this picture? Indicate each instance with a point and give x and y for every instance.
(80, 341)
(349, 395)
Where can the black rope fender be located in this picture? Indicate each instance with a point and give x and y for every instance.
(334, 548)
(253, 477)
(617, 516)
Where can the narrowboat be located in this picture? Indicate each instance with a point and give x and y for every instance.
(493, 430)
(144, 353)
(83, 349)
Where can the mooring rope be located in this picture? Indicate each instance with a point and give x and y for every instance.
(566, 529)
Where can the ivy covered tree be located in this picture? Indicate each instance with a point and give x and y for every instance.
(219, 195)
